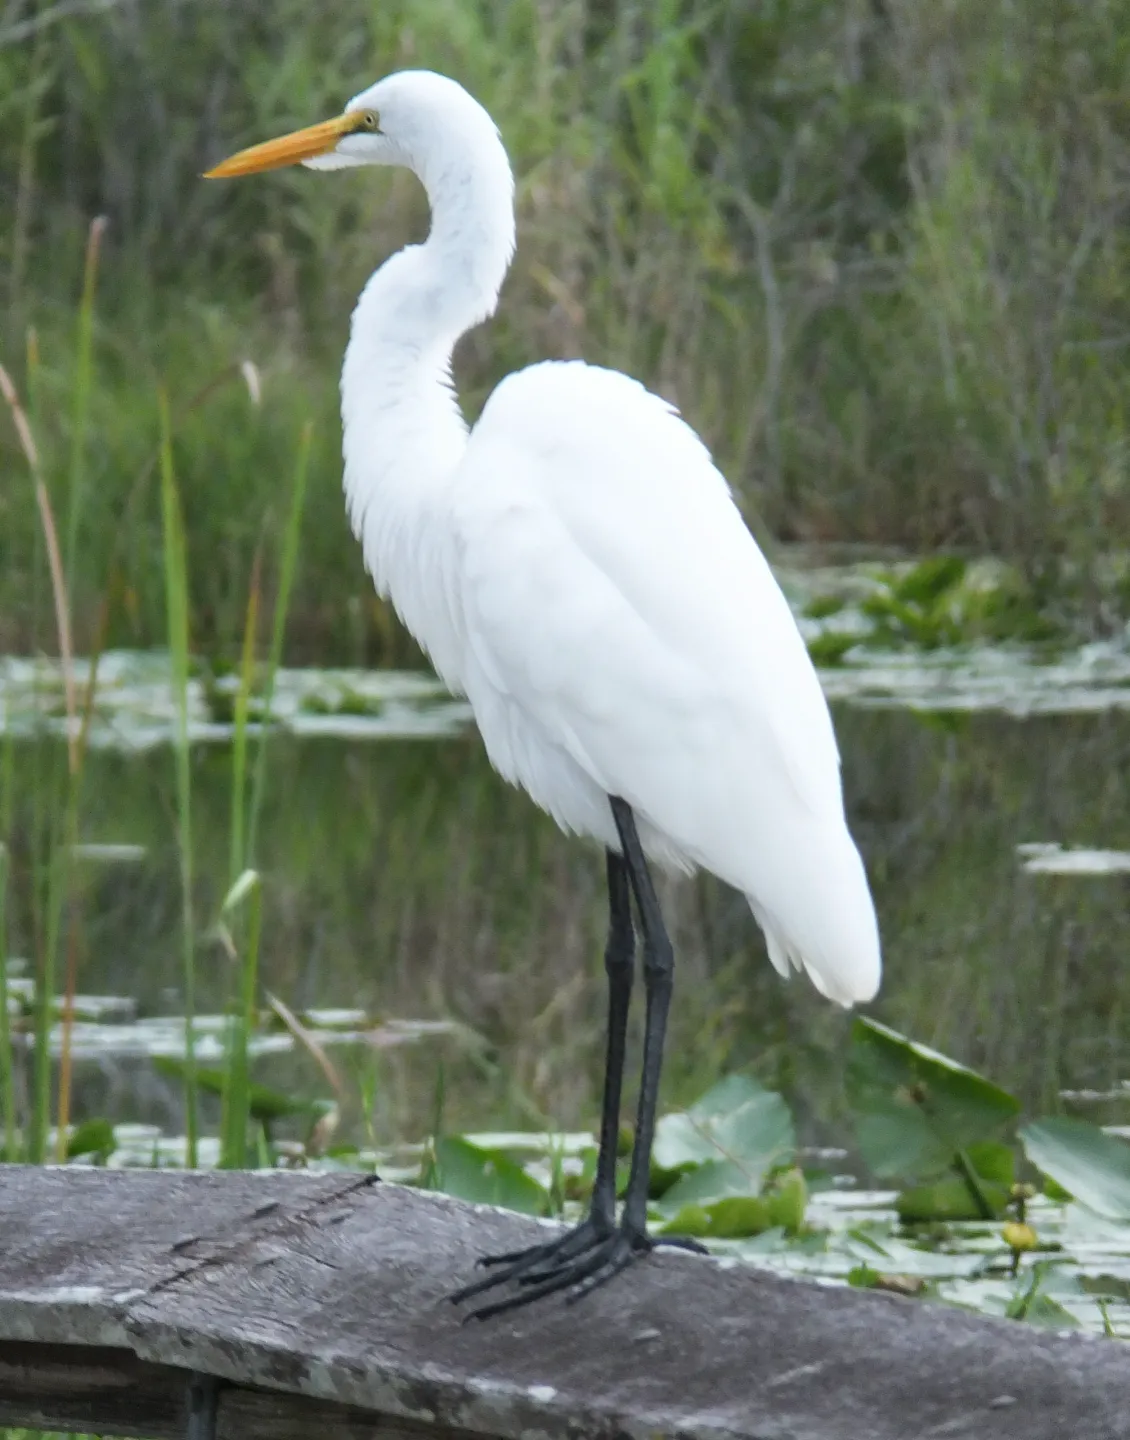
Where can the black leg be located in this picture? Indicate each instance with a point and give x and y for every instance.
(597, 1250)
(619, 955)
(601, 1219)
(658, 975)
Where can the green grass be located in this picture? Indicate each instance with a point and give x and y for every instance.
(59, 784)
(241, 914)
(177, 614)
(288, 568)
(10, 1149)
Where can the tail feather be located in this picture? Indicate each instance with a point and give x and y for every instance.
(836, 940)
(783, 960)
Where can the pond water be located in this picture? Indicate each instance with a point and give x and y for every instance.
(403, 880)
(436, 937)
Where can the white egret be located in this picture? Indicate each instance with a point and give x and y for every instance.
(576, 567)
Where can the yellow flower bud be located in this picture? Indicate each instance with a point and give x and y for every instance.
(1019, 1237)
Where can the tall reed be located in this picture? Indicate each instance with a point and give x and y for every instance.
(10, 1149)
(57, 857)
(245, 894)
(243, 935)
(176, 609)
(288, 568)
(80, 415)
(70, 985)
(240, 932)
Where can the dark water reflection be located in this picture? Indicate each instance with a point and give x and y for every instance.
(404, 877)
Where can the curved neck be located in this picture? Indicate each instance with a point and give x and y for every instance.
(404, 433)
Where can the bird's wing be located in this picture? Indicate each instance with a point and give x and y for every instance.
(614, 599)
(609, 575)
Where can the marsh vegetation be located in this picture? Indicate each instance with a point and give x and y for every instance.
(254, 912)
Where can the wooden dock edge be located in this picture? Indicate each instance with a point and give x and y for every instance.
(94, 1390)
(162, 1304)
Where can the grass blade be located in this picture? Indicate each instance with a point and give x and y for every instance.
(237, 1082)
(176, 605)
(58, 868)
(245, 945)
(7, 1060)
(239, 738)
(83, 375)
(287, 568)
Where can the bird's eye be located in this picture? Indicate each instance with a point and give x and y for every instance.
(369, 120)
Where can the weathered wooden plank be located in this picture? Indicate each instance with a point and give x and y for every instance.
(264, 1415)
(339, 1294)
(96, 1390)
(680, 1345)
(77, 1244)
(90, 1388)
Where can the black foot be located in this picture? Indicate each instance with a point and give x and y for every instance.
(579, 1261)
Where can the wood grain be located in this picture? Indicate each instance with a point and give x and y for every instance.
(98, 1390)
(322, 1303)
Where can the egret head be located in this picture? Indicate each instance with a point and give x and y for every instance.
(411, 118)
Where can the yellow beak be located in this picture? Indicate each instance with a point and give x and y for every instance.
(288, 149)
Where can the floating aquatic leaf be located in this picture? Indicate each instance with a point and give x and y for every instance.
(736, 1216)
(787, 1196)
(1090, 1165)
(820, 607)
(1033, 1304)
(264, 1104)
(916, 1110)
(578, 1143)
(92, 1137)
(992, 1161)
(486, 1177)
(950, 1199)
(1046, 1312)
(830, 648)
(730, 1219)
(1114, 1287)
(921, 606)
(930, 579)
(980, 1190)
(728, 1140)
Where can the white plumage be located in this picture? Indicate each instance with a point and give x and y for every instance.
(575, 565)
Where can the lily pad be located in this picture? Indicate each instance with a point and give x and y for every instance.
(736, 1217)
(980, 1190)
(92, 1137)
(1033, 1304)
(830, 647)
(950, 1199)
(725, 1144)
(1081, 1159)
(1046, 1312)
(917, 1110)
(487, 1177)
(263, 1103)
(992, 1161)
